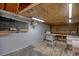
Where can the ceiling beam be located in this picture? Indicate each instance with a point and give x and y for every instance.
(17, 8)
(29, 7)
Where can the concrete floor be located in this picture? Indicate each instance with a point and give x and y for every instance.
(49, 50)
(28, 51)
(42, 49)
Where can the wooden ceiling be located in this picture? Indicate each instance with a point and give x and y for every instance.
(51, 13)
(54, 13)
(13, 7)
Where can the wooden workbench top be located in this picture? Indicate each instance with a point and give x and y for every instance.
(3, 33)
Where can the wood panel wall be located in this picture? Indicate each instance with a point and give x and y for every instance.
(65, 29)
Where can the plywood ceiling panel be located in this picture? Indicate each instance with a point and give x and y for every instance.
(51, 13)
(54, 13)
(12, 7)
(1, 5)
(23, 5)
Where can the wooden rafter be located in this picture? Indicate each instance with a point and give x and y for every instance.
(29, 7)
(17, 8)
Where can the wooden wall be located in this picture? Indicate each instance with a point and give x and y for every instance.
(65, 29)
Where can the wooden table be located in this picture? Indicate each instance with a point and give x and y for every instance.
(60, 37)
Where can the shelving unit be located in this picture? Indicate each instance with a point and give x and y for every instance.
(3, 33)
(10, 25)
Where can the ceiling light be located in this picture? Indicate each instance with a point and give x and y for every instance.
(37, 19)
(70, 10)
(70, 20)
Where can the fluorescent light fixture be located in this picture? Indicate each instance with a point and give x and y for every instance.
(70, 10)
(37, 19)
(70, 20)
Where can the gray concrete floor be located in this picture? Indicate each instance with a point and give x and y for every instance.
(28, 51)
(42, 49)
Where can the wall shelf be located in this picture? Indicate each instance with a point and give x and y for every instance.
(10, 25)
(4, 33)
